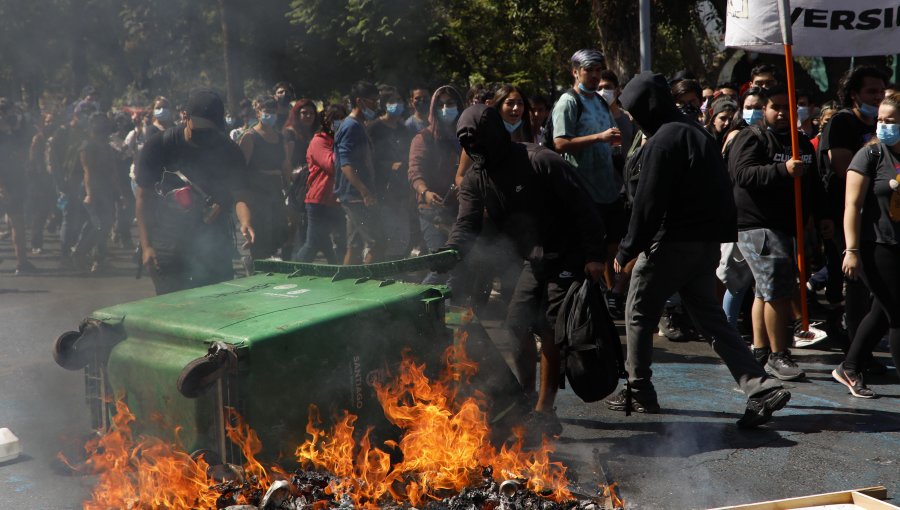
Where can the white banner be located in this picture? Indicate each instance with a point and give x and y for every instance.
(821, 28)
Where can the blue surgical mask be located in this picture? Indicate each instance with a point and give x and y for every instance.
(163, 114)
(752, 116)
(889, 134)
(336, 124)
(449, 113)
(512, 127)
(369, 114)
(868, 110)
(268, 119)
(802, 113)
(584, 89)
(394, 109)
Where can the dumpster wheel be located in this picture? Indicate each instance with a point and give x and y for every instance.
(63, 351)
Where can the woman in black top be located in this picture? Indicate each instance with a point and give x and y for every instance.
(872, 234)
(267, 159)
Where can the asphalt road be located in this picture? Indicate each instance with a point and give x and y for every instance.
(689, 456)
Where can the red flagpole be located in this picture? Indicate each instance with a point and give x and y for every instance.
(798, 187)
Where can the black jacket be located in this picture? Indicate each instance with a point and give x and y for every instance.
(684, 192)
(763, 190)
(531, 193)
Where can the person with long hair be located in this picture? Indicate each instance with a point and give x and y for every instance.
(721, 115)
(267, 159)
(433, 158)
(872, 236)
(302, 123)
(325, 228)
(515, 111)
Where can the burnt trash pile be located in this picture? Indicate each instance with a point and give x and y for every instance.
(309, 490)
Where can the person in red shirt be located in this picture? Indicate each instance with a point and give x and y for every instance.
(325, 229)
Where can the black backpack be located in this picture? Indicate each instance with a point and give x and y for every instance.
(589, 344)
(547, 128)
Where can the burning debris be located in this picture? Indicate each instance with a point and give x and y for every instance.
(443, 460)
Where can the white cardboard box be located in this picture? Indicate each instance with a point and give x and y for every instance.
(9, 445)
(857, 500)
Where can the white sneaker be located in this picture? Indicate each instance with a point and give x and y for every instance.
(809, 338)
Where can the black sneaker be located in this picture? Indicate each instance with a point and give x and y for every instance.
(670, 328)
(761, 355)
(853, 381)
(640, 402)
(782, 366)
(760, 408)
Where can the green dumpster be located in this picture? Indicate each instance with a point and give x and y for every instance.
(269, 345)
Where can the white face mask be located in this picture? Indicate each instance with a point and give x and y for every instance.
(608, 95)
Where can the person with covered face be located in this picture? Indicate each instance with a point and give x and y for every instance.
(763, 170)
(184, 221)
(683, 210)
(584, 132)
(268, 160)
(433, 159)
(535, 198)
(872, 235)
(419, 102)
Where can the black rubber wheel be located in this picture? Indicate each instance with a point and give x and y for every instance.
(63, 351)
(197, 377)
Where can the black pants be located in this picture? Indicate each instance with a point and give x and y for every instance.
(881, 272)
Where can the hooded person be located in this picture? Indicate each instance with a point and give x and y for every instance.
(535, 198)
(188, 178)
(683, 210)
(433, 159)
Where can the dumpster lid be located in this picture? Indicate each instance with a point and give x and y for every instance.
(261, 306)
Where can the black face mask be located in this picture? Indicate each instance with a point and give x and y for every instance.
(421, 107)
(690, 110)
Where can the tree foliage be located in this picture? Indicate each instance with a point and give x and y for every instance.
(132, 50)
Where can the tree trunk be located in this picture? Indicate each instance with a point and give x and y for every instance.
(618, 40)
(230, 44)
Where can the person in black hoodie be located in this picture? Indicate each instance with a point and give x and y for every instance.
(535, 198)
(683, 210)
(763, 171)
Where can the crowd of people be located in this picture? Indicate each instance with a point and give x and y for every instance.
(676, 195)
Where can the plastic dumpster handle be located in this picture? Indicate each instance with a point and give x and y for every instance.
(380, 270)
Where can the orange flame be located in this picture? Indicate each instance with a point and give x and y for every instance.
(444, 444)
(146, 474)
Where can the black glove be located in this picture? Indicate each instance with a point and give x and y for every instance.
(444, 259)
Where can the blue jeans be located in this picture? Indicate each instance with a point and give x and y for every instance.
(435, 225)
(324, 223)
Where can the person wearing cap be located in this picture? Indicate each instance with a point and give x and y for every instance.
(584, 132)
(193, 245)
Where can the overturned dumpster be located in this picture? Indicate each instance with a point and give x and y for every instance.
(271, 344)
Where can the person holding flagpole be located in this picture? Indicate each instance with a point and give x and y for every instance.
(763, 170)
